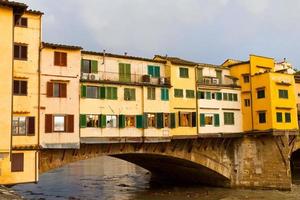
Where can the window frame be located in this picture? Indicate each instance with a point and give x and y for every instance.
(283, 94)
(259, 93)
(151, 93)
(183, 72)
(92, 97)
(64, 124)
(178, 93)
(116, 125)
(264, 115)
(59, 61)
(21, 47)
(130, 117)
(19, 93)
(190, 94)
(129, 94)
(229, 118)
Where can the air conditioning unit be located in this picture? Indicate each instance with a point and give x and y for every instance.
(84, 76)
(146, 78)
(162, 80)
(215, 81)
(93, 77)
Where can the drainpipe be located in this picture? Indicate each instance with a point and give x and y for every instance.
(12, 90)
(196, 95)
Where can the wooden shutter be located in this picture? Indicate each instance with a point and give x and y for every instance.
(17, 162)
(49, 89)
(56, 58)
(150, 70)
(16, 86)
(173, 120)
(101, 92)
(121, 121)
(82, 121)
(216, 120)
(48, 123)
(139, 121)
(159, 120)
(23, 87)
(94, 64)
(83, 91)
(128, 72)
(121, 72)
(202, 120)
(64, 59)
(70, 123)
(114, 93)
(63, 90)
(30, 126)
(194, 120)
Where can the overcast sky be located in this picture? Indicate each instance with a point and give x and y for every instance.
(200, 30)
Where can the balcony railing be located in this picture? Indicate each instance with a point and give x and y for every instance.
(213, 81)
(124, 78)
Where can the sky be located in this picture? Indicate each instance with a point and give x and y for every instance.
(208, 31)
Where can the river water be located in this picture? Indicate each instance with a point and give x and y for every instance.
(107, 178)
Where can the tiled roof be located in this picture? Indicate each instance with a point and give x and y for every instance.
(13, 4)
(34, 12)
(60, 46)
(122, 56)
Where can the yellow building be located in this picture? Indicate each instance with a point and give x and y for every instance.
(182, 95)
(21, 57)
(268, 97)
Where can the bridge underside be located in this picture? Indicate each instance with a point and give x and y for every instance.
(176, 171)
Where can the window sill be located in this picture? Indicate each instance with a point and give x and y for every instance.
(21, 59)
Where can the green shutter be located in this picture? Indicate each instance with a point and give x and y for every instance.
(150, 70)
(216, 120)
(164, 94)
(235, 97)
(114, 93)
(121, 121)
(94, 66)
(199, 75)
(202, 120)
(219, 76)
(208, 95)
(159, 120)
(82, 121)
(230, 97)
(167, 94)
(279, 116)
(157, 72)
(83, 91)
(128, 72)
(101, 92)
(139, 121)
(219, 96)
(124, 72)
(103, 121)
(173, 120)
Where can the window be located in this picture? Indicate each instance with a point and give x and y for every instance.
(91, 92)
(208, 95)
(213, 95)
(225, 96)
(151, 93)
(201, 95)
(219, 96)
(111, 93)
(208, 120)
(20, 88)
(129, 94)
(178, 93)
(228, 118)
(89, 66)
(279, 116)
(287, 117)
(60, 59)
(247, 102)
(190, 94)
(246, 78)
(92, 121)
(130, 121)
(56, 89)
(154, 71)
(23, 125)
(183, 72)
(59, 123)
(185, 119)
(164, 94)
(235, 97)
(111, 121)
(21, 21)
(166, 120)
(17, 162)
(230, 96)
(283, 94)
(260, 93)
(20, 51)
(262, 117)
(151, 120)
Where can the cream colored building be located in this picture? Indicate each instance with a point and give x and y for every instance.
(123, 98)
(59, 96)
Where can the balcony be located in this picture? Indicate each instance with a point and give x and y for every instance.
(126, 79)
(227, 81)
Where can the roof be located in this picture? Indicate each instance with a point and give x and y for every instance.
(179, 61)
(20, 7)
(122, 56)
(60, 46)
(240, 63)
(37, 12)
